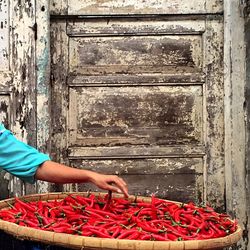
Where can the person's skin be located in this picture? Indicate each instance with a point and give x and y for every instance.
(58, 173)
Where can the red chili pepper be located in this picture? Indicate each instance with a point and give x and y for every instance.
(153, 208)
(145, 237)
(147, 228)
(25, 205)
(31, 224)
(99, 233)
(171, 236)
(126, 233)
(103, 213)
(116, 232)
(207, 234)
(134, 236)
(158, 237)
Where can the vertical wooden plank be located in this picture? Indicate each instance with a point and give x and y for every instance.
(23, 68)
(214, 123)
(43, 82)
(59, 92)
(235, 136)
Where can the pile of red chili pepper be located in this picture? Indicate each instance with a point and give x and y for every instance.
(121, 218)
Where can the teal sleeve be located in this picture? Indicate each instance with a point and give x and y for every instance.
(19, 158)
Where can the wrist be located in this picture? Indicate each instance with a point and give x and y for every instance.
(90, 176)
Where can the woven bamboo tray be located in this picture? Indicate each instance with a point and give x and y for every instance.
(94, 243)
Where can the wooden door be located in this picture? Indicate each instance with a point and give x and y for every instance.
(137, 90)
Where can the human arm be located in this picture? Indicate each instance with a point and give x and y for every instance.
(58, 173)
(27, 163)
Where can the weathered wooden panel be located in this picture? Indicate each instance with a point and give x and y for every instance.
(23, 73)
(167, 78)
(135, 54)
(136, 152)
(214, 114)
(4, 35)
(43, 78)
(111, 116)
(109, 7)
(237, 114)
(6, 84)
(5, 109)
(172, 178)
(134, 26)
(59, 102)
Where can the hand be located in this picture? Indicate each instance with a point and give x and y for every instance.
(109, 182)
(58, 173)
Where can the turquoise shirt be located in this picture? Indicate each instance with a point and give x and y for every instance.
(19, 158)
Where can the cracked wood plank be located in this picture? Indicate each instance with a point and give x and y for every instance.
(214, 113)
(23, 105)
(43, 82)
(130, 7)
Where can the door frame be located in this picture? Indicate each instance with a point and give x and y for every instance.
(236, 133)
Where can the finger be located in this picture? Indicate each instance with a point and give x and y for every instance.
(114, 189)
(123, 182)
(123, 187)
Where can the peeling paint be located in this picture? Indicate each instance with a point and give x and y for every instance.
(4, 35)
(43, 82)
(157, 115)
(95, 7)
(5, 109)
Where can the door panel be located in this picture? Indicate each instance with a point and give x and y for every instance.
(135, 97)
(134, 26)
(163, 115)
(134, 54)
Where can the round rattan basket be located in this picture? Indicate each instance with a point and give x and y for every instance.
(94, 243)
